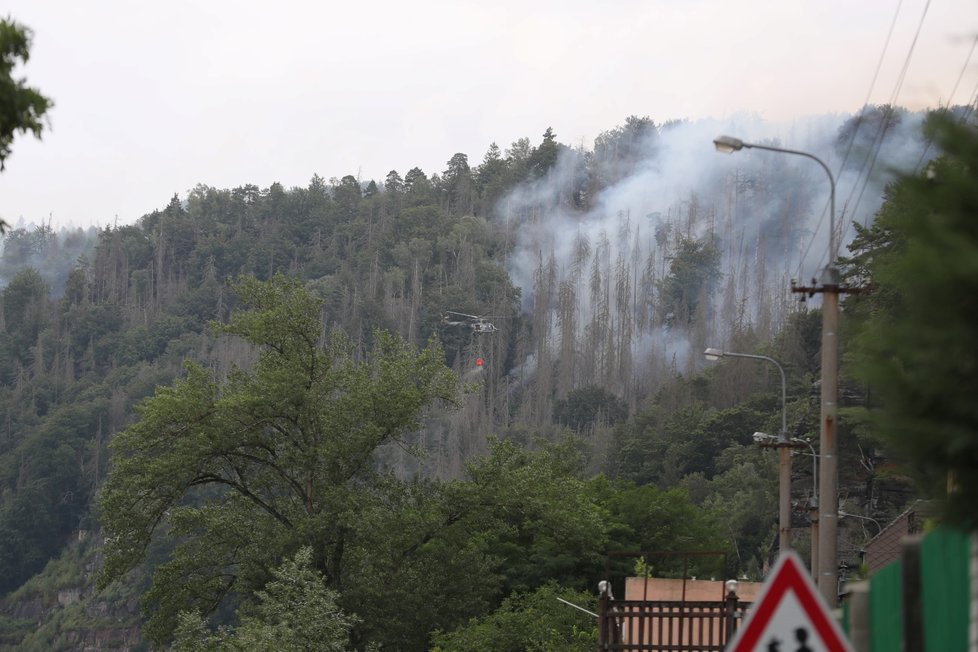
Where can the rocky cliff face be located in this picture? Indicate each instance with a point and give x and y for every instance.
(59, 609)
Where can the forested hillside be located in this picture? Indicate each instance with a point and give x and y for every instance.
(585, 420)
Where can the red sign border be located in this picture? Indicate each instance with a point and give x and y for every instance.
(787, 574)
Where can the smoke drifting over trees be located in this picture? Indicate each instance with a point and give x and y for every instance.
(672, 246)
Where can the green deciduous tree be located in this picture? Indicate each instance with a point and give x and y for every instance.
(537, 515)
(646, 518)
(417, 562)
(694, 272)
(296, 612)
(585, 407)
(242, 471)
(528, 622)
(22, 108)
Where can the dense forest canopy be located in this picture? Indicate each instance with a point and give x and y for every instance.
(279, 432)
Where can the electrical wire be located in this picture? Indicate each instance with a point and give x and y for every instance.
(855, 132)
(950, 101)
(881, 132)
(845, 223)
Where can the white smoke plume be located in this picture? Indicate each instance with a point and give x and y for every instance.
(763, 211)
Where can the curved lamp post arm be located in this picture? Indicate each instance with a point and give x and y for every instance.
(784, 414)
(784, 456)
(728, 144)
(879, 528)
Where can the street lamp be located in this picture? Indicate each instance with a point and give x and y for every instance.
(729, 145)
(879, 528)
(783, 444)
(715, 354)
(828, 445)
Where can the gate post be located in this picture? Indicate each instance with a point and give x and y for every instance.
(913, 615)
(730, 611)
(604, 598)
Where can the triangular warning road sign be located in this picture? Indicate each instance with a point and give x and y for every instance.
(789, 615)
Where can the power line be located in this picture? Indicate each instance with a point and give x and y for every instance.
(855, 131)
(950, 101)
(881, 130)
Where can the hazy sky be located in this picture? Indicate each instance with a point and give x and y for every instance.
(152, 99)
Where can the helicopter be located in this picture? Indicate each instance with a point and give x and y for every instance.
(477, 323)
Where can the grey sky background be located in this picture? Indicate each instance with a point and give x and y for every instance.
(153, 99)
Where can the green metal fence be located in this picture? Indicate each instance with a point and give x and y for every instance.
(886, 609)
(944, 596)
(944, 590)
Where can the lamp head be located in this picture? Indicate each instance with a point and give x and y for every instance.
(728, 144)
(763, 438)
(713, 354)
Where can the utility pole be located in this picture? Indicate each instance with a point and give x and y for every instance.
(828, 477)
